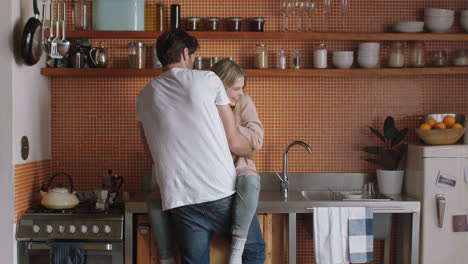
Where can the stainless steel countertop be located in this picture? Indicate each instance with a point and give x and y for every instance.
(272, 202)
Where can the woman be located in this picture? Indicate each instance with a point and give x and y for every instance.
(248, 181)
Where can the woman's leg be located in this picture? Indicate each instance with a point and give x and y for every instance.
(161, 227)
(244, 209)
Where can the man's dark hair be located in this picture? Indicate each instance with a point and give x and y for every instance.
(171, 43)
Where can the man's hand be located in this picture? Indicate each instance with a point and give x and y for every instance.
(238, 144)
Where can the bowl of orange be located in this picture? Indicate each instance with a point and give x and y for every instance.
(441, 129)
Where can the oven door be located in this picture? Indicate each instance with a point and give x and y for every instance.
(95, 252)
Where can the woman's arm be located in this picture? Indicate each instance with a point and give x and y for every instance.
(251, 126)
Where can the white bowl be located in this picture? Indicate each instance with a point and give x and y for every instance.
(464, 23)
(373, 53)
(343, 53)
(438, 24)
(342, 62)
(368, 62)
(409, 27)
(438, 12)
(369, 46)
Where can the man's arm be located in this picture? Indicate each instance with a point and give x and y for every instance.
(145, 143)
(238, 144)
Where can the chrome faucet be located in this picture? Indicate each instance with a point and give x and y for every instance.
(284, 185)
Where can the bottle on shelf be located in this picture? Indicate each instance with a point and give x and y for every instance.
(296, 59)
(282, 59)
(175, 16)
(417, 54)
(396, 55)
(320, 56)
(159, 16)
(261, 57)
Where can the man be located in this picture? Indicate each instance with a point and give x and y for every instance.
(190, 131)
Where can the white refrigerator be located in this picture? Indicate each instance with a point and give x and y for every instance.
(438, 177)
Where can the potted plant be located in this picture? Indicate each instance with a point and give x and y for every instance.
(389, 156)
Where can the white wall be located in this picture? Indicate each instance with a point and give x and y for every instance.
(24, 110)
(6, 123)
(31, 97)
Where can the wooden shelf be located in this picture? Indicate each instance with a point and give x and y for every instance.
(92, 34)
(129, 73)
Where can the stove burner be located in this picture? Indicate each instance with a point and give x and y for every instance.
(84, 207)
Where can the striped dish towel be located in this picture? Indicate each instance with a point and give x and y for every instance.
(62, 252)
(360, 234)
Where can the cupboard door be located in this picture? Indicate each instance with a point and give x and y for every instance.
(144, 242)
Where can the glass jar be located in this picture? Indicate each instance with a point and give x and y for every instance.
(234, 24)
(296, 59)
(212, 23)
(396, 55)
(320, 56)
(214, 60)
(257, 24)
(198, 63)
(192, 23)
(417, 54)
(136, 55)
(261, 57)
(461, 58)
(439, 58)
(159, 16)
(83, 15)
(282, 59)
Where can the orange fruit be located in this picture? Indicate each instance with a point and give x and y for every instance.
(431, 122)
(457, 125)
(440, 125)
(425, 126)
(449, 121)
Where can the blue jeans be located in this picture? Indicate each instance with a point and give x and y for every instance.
(194, 224)
(245, 203)
(161, 229)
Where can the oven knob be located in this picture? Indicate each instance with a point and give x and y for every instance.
(72, 229)
(84, 229)
(95, 229)
(36, 229)
(49, 229)
(61, 228)
(107, 229)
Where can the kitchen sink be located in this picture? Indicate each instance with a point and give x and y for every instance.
(330, 195)
(317, 195)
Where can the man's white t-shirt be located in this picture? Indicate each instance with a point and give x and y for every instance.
(186, 137)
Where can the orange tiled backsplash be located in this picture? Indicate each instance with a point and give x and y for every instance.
(28, 178)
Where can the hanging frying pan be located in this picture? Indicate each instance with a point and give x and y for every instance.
(31, 49)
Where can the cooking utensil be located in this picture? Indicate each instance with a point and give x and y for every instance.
(54, 53)
(45, 48)
(99, 58)
(64, 45)
(59, 198)
(31, 40)
(51, 27)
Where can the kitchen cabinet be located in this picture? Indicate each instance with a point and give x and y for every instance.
(272, 226)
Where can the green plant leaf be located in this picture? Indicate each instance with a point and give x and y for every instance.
(377, 133)
(373, 150)
(378, 162)
(389, 123)
(399, 137)
(391, 133)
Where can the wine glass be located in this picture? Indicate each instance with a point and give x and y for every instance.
(344, 11)
(285, 11)
(327, 7)
(309, 12)
(299, 11)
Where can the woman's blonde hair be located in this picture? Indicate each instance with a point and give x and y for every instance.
(228, 71)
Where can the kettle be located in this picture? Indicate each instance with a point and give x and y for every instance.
(99, 58)
(59, 198)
